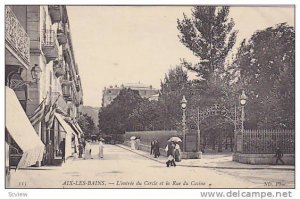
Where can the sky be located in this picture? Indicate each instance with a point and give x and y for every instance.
(114, 45)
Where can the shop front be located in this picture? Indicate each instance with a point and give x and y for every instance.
(71, 138)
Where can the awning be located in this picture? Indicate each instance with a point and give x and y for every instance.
(75, 129)
(21, 130)
(64, 124)
(78, 127)
(69, 134)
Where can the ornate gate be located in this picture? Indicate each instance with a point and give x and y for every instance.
(195, 118)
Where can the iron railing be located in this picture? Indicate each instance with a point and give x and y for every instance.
(266, 141)
(16, 36)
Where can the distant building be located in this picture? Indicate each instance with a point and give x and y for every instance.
(145, 91)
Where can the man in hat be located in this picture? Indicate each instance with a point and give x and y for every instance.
(279, 155)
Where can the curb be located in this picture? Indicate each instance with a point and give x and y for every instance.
(202, 166)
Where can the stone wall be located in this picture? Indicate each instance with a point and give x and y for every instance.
(262, 159)
(146, 148)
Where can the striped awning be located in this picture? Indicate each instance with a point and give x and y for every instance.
(21, 130)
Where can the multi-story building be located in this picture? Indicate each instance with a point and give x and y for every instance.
(42, 74)
(145, 91)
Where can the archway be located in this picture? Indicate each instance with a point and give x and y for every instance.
(221, 129)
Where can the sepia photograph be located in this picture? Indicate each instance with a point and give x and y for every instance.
(149, 96)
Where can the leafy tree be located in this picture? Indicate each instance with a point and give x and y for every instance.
(113, 119)
(87, 124)
(174, 86)
(147, 115)
(209, 35)
(266, 68)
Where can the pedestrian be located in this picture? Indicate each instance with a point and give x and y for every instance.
(49, 153)
(62, 148)
(138, 140)
(170, 154)
(101, 146)
(279, 155)
(83, 143)
(152, 146)
(177, 153)
(88, 150)
(132, 144)
(156, 149)
(80, 149)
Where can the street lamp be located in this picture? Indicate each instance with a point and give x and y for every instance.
(243, 101)
(36, 72)
(183, 107)
(16, 82)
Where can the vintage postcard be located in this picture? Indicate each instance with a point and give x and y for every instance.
(140, 96)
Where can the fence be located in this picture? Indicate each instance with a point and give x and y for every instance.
(266, 141)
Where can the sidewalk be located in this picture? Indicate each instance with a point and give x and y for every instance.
(208, 161)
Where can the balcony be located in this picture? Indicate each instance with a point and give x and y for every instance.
(66, 51)
(49, 45)
(67, 92)
(66, 82)
(61, 34)
(59, 68)
(55, 13)
(17, 42)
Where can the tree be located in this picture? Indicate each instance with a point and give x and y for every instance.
(266, 67)
(113, 119)
(174, 86)
(209, 35)
(87, 124)
(147, 115)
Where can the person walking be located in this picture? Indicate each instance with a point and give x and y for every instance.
(152, 144)
(170, 154)
(177, 153)
(279, 155)
(49, 153)
(101, 146)
(83, 142)
(138, 141)
(80, 149)
(132, 144)
(88, 151)
(62, 148)
(156, 149)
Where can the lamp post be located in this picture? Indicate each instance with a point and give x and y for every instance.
(36, 73)
(183, 107)
(243, 101)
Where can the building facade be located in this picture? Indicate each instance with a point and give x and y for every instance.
(145, 91)
(42, 74)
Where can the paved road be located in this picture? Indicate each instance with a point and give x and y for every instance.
(123, 169)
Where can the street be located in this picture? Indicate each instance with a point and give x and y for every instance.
(121, 168)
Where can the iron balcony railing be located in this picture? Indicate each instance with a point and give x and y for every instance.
(49, 38)
(49, 45)
(16, 38)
